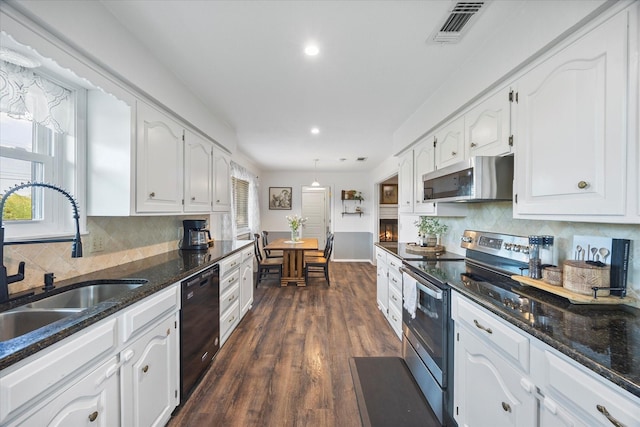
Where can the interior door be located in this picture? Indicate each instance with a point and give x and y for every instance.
(315, 207)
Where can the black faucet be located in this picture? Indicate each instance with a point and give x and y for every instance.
(76, 248)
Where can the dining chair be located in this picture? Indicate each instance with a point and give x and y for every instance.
(319, 264)
(266, 266)
(320, 252)
(269, 252)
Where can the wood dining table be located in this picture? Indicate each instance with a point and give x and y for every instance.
(293, 258)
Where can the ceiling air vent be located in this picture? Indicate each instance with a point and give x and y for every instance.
(458, 21)
(361, 159)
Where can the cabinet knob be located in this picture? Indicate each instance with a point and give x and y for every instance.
(506, 407)
(606, 413)
(145, 369)
(93, 416)
(473, 145)
(152, 194)
(583, 184)
(453, 153)
(193, 198)
(217, 201)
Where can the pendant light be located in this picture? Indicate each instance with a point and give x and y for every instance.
(315, 182)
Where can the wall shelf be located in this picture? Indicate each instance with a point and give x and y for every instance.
(349, 199)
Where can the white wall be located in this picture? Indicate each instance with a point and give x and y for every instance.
(89, 27)
(536, 24)
(274, 220)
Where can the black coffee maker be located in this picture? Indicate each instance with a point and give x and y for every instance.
(195, 236)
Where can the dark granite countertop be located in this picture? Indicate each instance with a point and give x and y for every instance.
(605, 339)
(161, 271)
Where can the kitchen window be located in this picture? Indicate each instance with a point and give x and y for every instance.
(241, 204)
(245, 210)
(41, 140)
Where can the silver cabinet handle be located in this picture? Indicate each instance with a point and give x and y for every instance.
(484, 328)
(606, 413)
(453, 153)
(145, 369)
(506, 407)
(193, 198)
(152, 195)
(473, 145)
(583, 184)
(93, 416)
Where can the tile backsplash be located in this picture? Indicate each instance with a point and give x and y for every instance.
(498, 217)
(111, 241)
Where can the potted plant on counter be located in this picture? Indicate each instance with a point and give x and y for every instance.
(430, 230)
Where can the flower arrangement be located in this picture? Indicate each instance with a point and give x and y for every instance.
(295, 222)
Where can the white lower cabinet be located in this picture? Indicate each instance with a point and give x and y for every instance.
(246, 280)
(389, 289)
(92, 401)
(231, 268)
(149, 380)
(505, 377)
(123, 370)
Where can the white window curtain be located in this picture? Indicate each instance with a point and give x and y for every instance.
(240, 172)
(30, 96)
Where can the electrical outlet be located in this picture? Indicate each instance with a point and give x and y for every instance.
(97, 243)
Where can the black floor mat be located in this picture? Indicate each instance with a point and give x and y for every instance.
(388, 395)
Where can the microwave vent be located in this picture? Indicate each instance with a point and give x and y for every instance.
(457, 22)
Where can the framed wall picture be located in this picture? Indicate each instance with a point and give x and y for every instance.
(389, 194)
(280, 198)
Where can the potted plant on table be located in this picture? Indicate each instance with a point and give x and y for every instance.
(430, 230)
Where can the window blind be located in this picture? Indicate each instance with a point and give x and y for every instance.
(241, 202)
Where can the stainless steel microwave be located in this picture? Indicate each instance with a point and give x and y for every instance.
(480, 178)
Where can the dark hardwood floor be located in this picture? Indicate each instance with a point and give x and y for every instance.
(287, 363)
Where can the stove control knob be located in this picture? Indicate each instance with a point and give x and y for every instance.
(466, 239)
(525, 249)
(516, 248)
(508, 246)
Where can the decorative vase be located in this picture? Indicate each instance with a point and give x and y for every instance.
(294, 235)
(431, 240)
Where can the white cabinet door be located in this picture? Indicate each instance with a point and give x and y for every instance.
(92, 401)
(405, 182)
(159, 154)
(150, 376)
(382, 281)
(487, 390)
(423, 162)
(571, 128)
(450, 145)
(222, 179)
(198, 174)
(246, 286)
(487, 126)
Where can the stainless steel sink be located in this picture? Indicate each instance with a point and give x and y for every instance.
(35, 315)
(84, 297)
(14, 323)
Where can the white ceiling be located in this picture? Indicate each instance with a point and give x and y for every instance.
(245, 61)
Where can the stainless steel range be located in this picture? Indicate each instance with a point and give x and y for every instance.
(490, 261)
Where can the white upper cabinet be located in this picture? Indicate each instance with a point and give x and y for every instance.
(198, 173)
(424, 162)
(405, 182)
(450, 145)
(487, 126)
(160, 146)
(571, 129)
(222, 177)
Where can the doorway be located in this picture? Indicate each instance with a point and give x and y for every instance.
(316, 203)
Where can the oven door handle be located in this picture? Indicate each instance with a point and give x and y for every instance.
(429, 290)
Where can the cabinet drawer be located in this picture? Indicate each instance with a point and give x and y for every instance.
(247, 253)
(574, 387)
(229, 280)
(394, 263)
(146, 311)
(512, 344)
(229, 263)
(395, 298)
(230, 296)
(395, 319)
(229, 318)
(395, 280)
(47, 371)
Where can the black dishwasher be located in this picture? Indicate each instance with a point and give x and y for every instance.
(199, 326)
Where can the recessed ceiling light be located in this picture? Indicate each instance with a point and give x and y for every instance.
(315, 131)
(311, 50)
